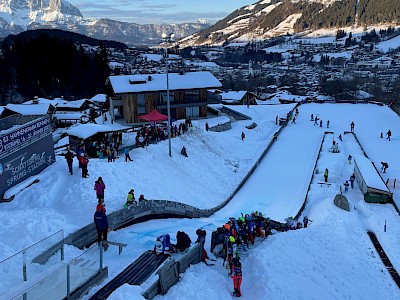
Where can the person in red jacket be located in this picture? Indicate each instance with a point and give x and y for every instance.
(84, 160)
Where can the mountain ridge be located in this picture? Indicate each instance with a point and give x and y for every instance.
(19, 15)
(270, 18)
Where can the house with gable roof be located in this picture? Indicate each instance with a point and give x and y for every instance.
(133, 96)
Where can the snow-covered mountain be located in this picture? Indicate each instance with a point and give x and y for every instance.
(270, 18)
(20, 15)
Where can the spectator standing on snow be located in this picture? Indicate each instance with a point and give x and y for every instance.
(127, 156)
(346, 186)
(101, 222)
(352, 126)
(326, 174)
(207, 127)
(69, 156)
(327, 124)
(352, 179)
(349, 158)
(84, 161)
(243, 136)
(388, 134)
(99, 187)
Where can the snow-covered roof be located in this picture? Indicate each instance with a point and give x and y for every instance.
(69, 104)
(233, 95)
(369, 173)
(141, 83)
(29, 109)
(99, 98)
(85, 131)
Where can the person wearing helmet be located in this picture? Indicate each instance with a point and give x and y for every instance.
(229, 252)
(236, 276)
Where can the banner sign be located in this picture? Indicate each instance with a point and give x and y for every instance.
(24, 135)
(25, 151)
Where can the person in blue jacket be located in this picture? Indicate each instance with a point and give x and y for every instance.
(165, 241)
(101, 222)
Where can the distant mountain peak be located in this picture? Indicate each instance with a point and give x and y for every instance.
(20, 15)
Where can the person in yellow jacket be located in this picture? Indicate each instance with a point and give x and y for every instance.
(130, 199)
(326, 174)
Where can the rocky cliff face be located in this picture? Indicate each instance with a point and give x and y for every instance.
(19, 15)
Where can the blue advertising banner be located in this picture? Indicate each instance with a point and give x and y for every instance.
(25, 150)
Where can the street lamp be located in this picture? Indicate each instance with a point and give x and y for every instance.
(167, 39)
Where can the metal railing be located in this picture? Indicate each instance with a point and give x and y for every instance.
(61, 280)
(22, 266)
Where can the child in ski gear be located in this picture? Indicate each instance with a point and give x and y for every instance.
(182, 241)
(183, 151)
(201, 239)
(69, 156)
(165, 240)
(131, 198)
(99, 187)
(101, 222)
(230, 252)
(236, 276)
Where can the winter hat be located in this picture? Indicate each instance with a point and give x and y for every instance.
(100, 207)
(82, 154)
(231, 239)
(227, 226)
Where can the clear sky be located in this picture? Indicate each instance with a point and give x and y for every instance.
(159, 11)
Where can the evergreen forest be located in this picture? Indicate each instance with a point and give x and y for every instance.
(47, 63)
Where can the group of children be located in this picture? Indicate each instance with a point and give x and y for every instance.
(131, 200)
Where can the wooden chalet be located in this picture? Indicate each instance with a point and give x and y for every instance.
(136, 95)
